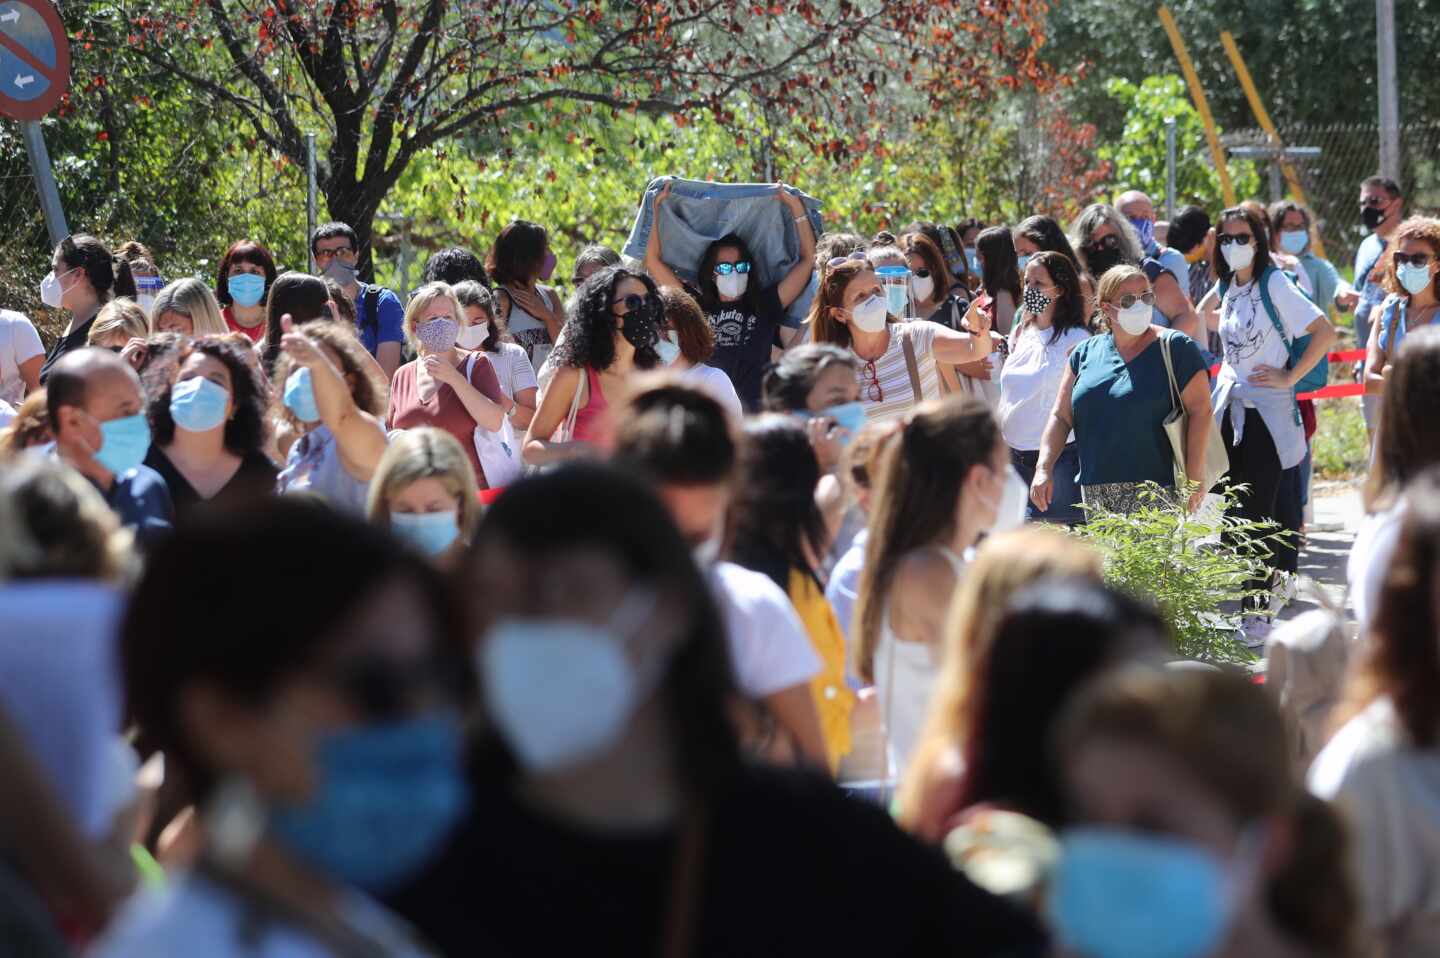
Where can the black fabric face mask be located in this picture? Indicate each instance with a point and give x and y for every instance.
(1371, 217)
(1101, 261)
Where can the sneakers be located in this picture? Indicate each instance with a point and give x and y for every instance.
(1255, 632)
(1287, 586)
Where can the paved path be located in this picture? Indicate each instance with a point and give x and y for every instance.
(1338, 511)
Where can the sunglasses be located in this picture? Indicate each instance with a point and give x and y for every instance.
(1130, 299)
(635, 302)
(1412, 259)
(381, 687)
(1103, 243)
(857, 256)
(331, 253)
(725, 269)
(923, 273)
(1225, 239)
(1374, 201)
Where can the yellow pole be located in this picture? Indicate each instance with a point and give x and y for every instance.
(1202, 106)
(1242, 73)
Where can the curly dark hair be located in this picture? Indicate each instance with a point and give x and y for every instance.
(588, 339)
(245, 432)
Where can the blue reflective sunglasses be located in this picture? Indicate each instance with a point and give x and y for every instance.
(725, 269)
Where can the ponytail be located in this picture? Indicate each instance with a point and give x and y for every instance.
(124, 280)
(1313, 897)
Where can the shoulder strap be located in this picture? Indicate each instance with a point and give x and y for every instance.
(1170, 368)
(575, 405)
(371, 312)
(912, 367)
(1264, 280)
(1397, 306)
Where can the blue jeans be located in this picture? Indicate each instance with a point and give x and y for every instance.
(1065, 501)
(697, 213)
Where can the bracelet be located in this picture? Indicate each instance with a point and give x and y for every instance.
(801, 219)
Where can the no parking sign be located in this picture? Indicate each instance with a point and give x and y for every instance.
(34, 59)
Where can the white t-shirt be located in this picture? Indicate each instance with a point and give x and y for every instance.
(1030, 381)
(7, 414)
(768, 644)
(19, 343)
(1389, 792)
(897, 393)
(843, 591)
(1370, 557)
(532, 334)
(1247, 334)
(718, 385)
(512, 368)
(196, 916)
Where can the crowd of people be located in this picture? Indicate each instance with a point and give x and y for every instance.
(720, 603)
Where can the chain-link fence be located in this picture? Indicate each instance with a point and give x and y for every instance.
(1331, 179)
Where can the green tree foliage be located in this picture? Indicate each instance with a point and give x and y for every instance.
(1137, 155)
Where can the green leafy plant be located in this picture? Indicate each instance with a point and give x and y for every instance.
(1190, 567)
(1138, 157)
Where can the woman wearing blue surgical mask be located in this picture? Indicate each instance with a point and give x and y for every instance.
(424, 491)
(1051, 324)
(686, 345)
(612, 779)
(944, 481)
(817, 383)
(327, 395)
(247, 271)
(748, 320)
(445, 387)
(1190, 836)
(1410, 280)
(1291, 224)
(321, 741)
(208, 429)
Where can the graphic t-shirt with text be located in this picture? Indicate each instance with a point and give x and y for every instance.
(743, 339)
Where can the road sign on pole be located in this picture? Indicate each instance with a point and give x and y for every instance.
(34, 59)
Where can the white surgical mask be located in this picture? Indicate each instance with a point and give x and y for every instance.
(51, 292)
(1239, 256)
(561, 691)
(869, 316)
(732, 285)
(922, 287)
(1134, 320)
(472, 336)
(1014, 497)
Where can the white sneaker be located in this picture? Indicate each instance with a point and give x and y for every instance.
(1256, 632)
(1287, 586)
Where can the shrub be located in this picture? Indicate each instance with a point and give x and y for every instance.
(1188, 566)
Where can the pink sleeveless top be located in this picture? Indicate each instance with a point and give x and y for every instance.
(588, 417)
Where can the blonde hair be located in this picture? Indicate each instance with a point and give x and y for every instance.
(1107, 289)
(425, 453)
(1003, 566)
(121, 315)
(192, 298)
(421, 301)
(57, 525)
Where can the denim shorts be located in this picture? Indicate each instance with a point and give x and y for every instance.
(1065, 502)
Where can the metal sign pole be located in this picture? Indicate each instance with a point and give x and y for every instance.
(1170, 168)
(44, 181)
(310, 195)
(1388, 89)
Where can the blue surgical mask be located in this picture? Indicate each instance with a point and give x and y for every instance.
(1293, 241)
(197, 404)
(300, 396)
(972, 256)
(388, 795)
(849, 416)
(430, 532)
(1121, 894)
(669, 352)
(1413, 278)
(246, 289)
(1022, 261)
(123, 443)
(1145, 229)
